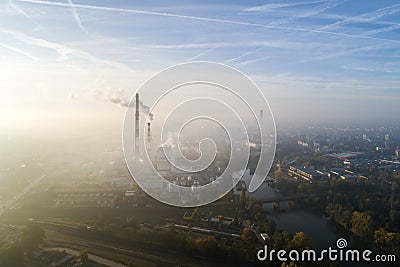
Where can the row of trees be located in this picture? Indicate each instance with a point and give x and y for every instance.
(387, 240)
(363, 224)
(361, 207)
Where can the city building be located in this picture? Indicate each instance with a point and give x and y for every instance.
(306, 174)
(84, 198)
(387, 139)
(302, 143)
(344, 175)
(344, 155)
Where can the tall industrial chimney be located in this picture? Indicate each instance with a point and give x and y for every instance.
(137, 128)
(261, 114)
(148, 133)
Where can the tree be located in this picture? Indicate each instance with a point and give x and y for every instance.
(242, 198)
(237, 252)
(387, 240)
(362, 224)
(84, 257)
(207, 246)
(291, 264)
(281, 239)
(278, 173)
(301, 241)
(247, 235)
(32, 236)
(380, 236)
(269, 227)
(254, 209)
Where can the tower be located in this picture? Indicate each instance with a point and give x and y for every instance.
(387, 138)
(137, 128)
(364, 136)
(148, 133)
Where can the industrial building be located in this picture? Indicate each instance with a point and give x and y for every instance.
(305, 174)
(84, 198)
(345, 175)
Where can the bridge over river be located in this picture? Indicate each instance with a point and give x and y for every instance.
(279, 198)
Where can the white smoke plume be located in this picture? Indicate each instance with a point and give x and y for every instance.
(118, 97)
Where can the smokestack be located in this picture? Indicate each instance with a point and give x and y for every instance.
(148, 133)
(137, 128)
(261, 114)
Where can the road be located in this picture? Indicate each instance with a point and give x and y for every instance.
(21, 194)
(92, 257)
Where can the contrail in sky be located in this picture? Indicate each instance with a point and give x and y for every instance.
(272, 6)
(370, 16)
(252, 61)
(243, 23)
(241, 56)
(76, 16)
(22, 12)
(12, 48)
(318, 10)
(17, 8)
(62, 50)
(202, 53)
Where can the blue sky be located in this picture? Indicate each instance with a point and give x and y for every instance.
(311, 58)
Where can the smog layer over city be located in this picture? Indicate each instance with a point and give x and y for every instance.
(199, 133)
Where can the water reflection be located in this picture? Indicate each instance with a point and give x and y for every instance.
(321, 228)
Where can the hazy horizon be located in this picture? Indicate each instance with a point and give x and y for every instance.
(319, 61)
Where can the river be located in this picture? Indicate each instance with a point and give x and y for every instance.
(323, 231)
